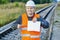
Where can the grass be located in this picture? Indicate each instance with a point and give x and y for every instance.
(57, 13)
(39, 6)
(11, 11)
(58, 9)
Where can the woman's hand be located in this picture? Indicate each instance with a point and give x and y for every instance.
(34, 19)
(18, 26)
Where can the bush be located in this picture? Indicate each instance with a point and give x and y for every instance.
(4, 1)
(16, 4)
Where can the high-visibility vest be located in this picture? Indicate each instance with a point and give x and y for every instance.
(28, 35)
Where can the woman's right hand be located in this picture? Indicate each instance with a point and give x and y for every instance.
(18, 26)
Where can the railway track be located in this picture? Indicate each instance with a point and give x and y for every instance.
(10, 32)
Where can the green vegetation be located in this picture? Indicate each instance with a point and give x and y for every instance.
(58, 9)
(39, 6)
(58, 6)
(57, 13)
(11, 11)
(4, 1)
(42, 1)
(36, 1)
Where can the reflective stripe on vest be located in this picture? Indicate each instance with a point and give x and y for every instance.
(35, 36)
(25, 34)
(24, 28)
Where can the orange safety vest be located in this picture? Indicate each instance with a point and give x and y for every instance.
(28, 35)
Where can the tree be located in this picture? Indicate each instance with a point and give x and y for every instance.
(24, 1)
(37, 1)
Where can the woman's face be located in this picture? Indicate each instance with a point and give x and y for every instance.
(30, 11)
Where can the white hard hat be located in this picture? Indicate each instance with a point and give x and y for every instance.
(30, 3)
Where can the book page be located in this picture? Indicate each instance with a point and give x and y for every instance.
(34, 26)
